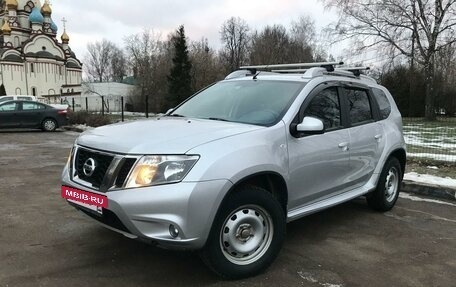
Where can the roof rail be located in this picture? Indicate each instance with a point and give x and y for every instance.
(329, 66)
(357, 71)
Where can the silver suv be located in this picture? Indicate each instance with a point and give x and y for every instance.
(227, 169)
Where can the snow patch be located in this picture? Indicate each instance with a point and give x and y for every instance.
(430, 179)
(83, 127)
(433, 167)
(415, 198)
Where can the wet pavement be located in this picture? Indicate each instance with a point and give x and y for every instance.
(45, 242)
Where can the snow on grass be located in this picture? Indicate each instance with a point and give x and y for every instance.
(433, 156)
(430, 179)
(83, 127)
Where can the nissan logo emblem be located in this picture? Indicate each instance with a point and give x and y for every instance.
(89, 167)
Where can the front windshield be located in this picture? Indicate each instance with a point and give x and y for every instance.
(252, 102)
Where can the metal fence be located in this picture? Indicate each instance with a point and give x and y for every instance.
(100, 104)
(431, 141)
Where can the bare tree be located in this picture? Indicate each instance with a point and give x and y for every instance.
(98, 60)
(235, 38)
(417, 29)
(118, 65)
(206, 66)
(145, 52)
(270, 46)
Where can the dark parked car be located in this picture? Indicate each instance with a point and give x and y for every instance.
(29, 114)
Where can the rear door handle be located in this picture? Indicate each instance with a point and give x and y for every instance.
(344, 146)
(378, 137)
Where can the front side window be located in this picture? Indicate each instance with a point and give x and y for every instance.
(254, 102)
(359, 106)
(326, 107)
(32, 106)
(5, 99)
(9, 107)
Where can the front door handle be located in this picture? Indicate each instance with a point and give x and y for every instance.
(344, 146)
(378, 137)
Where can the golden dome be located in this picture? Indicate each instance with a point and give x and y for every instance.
(65, 37)
(11, 4)
(46, 9)
(6, 29)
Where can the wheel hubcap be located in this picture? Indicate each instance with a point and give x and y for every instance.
(49, 125)
(246, 235)
(391, 184)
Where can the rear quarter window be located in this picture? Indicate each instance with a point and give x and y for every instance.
(383, 103)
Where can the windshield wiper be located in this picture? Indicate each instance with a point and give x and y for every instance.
(218, 119)
(176, 116)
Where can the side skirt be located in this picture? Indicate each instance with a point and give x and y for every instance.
(327, 203)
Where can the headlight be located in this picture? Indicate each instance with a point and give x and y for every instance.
(154, 170)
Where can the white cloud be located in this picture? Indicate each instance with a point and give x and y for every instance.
(91, 20)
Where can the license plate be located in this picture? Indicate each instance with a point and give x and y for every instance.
(85, 199)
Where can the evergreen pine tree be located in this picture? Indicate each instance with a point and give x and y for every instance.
(179, 80)
(2, 90)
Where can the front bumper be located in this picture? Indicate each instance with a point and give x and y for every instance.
(146, 213)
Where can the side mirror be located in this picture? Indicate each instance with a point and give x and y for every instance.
(311, 125)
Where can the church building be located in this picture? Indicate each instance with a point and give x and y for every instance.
(32, 60)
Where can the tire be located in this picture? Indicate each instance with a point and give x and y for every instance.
(384, 197)
(247, 234)
(49, 125)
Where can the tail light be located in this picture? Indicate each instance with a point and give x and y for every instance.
(62, 112)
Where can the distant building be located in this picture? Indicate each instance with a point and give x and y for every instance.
(92, 93)
(32, 60)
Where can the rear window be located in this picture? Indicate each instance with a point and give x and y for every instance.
(383, 103)
(24, 98)
(32, 106)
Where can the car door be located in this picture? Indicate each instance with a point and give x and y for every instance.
(32, 114)
(9, 115)
(366, 135)
(318, 164)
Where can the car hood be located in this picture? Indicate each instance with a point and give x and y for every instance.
(160, 135)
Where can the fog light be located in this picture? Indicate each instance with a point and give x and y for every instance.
(173, 231)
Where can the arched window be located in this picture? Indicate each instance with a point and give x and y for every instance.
(34, 91)
(51, 92)
(32, 68)
(18, 91)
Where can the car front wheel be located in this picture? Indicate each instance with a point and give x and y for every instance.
(246, 235)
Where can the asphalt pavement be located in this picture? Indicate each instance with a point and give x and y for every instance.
(46, 242)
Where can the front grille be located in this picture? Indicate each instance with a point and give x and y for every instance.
(124, 171)
(102, 163)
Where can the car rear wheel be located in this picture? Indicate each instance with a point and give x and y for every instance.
(49, 125)
(246, 235)
(384, 197)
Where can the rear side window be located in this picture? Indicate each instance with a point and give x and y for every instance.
(359, 106)
(383, 103)
(326, 106)
(32, 107)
